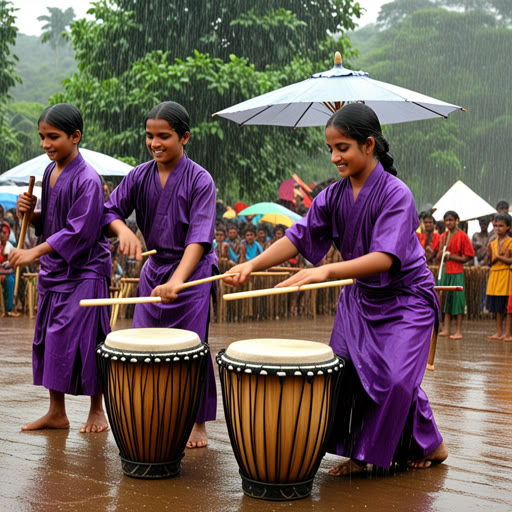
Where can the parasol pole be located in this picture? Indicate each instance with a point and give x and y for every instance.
(21, 240)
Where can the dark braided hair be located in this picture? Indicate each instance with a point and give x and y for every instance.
(358, 121)
(174, 114)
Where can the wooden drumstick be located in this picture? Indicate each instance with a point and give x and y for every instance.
(141, 300)
(286, 289)
(122, 300)
(21, 240)
(449, 288)
(148, 253)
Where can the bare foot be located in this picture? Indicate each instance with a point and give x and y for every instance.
(96, 422)
(198, 437)
(507, 338)
(47, 421)
(496, 337)
(348, 467)
(443, 333)
(456, 336)
(13, 314)
(434, 457)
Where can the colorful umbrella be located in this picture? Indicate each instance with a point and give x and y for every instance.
(313, 101)
(277, 218)
(264, 208)
(286, 190)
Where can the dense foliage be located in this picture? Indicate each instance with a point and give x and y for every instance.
(464, 60)
(9, 145)
(130, 60)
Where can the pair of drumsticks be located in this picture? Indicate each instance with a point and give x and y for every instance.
(240, 295)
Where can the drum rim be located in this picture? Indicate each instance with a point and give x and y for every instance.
(165, 356)
(251, 367)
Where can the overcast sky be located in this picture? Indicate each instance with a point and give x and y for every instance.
(29, 10)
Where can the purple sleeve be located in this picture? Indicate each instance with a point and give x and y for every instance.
(394, 231)
(121, 202)
(312, 235)
(202, 213)
(83, 228)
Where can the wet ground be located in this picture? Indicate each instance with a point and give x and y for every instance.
(470, 392)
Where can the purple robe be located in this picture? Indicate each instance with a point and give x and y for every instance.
(170, 218)
(66, 335)
(384, 322)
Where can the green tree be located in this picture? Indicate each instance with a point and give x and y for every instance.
(55, 30)
(114, 89)
(461, 58)
(9, 146)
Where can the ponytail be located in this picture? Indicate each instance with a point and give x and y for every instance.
(359, 122)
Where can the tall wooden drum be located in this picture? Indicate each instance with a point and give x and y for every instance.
(278, 398)
(152, 380)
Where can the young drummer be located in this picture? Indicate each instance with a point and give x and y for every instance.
(499, 254)
(75, 265)
(174, 200)
(457, 249)
(384, 321)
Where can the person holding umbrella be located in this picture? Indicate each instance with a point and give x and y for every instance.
(384, 321)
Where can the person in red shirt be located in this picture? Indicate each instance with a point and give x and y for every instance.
(455, 250)
(429, 238)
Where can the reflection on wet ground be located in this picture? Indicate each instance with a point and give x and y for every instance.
(470, 392)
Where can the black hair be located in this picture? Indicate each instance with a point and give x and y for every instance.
(359, 121)
(250, 229)
(505, 217)
(429, 216)
(172, 112)
(451, 213)
(502, 205)
(63, 116)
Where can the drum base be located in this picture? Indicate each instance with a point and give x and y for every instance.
(151, 470)
(276, 492)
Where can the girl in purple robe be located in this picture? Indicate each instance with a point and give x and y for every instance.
(384, 321)
(75, 264)
(175, 204)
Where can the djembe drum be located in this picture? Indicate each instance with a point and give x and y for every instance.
(278, 398)
(152, 380)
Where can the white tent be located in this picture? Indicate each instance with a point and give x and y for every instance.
(462, 200)
(105, 166)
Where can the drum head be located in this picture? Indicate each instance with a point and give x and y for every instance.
(152, 340)
(280, 351)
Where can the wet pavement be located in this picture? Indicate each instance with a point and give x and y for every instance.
(470, 392)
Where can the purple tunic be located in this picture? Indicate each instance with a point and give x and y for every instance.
(170, 218)
(383, 323)
(66, 335)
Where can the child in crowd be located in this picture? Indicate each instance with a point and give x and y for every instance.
(429, 239)
(455, 250)
(249, 248)
(384, 321)
(499, 254)
(262, 237)
(75, 264)
(218, 244)
(174, 201)
(6, 271)
(232, 246)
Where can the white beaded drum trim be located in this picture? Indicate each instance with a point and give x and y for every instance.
(265, 364)
(153, 357)
(152, 340)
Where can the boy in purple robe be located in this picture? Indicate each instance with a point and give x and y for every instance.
(75, 265)
(175, 204)
(384, 321)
